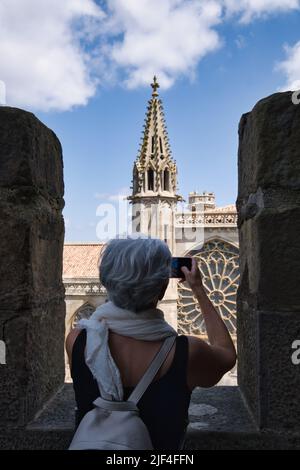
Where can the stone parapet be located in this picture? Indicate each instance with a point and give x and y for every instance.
(32, 307)
(268, 307)
(219, 420)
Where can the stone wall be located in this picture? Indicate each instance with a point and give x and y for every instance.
(32, 308)
(269, 295)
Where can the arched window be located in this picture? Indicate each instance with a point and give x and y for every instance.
(218, 262)
(85, 311)
(150, 180)
(152, 144)
(160, 145)
(166, 180)
(135, 185)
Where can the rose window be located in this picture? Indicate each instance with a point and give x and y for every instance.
(218, 262)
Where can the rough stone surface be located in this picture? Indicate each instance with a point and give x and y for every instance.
(218, 420)
(268, 314)
(269, 156)
(279, 377)
(269, 252)
(32, 306)
(30, 154)
(248, 374)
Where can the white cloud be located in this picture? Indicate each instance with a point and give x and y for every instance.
(249, 10)
(291, 67)
(54, 54)
(169, 38)
(42, 61)
(165, 38)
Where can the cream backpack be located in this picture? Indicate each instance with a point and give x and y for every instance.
(116, 425)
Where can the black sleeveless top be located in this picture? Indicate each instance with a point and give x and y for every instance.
(164, 405)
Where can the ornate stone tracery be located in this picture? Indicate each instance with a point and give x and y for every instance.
(85, 311)
(219, 265)
(84, 288)
(206, 219)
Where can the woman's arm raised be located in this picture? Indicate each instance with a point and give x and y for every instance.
(208, 362)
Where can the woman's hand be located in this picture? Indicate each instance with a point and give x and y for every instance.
(193, 276)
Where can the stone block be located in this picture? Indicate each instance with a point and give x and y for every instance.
(31, 153)
(268, 301)
(269, 152)
(248, 357)
(269, 260)
(279, 378)
(32, 308)
(266, 374)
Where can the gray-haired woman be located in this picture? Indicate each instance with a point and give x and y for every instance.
(110, 352)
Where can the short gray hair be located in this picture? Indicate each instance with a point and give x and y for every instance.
(134, 271)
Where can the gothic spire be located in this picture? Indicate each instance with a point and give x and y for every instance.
(155, 154)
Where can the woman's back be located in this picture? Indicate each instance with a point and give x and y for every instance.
(164, 406)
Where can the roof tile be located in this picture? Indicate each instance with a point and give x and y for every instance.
(80, 260)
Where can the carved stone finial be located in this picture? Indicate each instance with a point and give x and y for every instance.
(155, 85)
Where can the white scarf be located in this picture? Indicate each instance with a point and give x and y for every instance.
(148, 325)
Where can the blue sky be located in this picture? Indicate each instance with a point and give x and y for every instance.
(203, 103)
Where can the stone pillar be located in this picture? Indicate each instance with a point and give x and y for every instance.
(269, 230)
(32, 308)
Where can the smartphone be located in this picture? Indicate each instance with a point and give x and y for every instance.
(176, 265)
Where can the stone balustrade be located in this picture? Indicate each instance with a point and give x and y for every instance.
(206, 219)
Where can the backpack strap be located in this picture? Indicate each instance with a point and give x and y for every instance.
(152, 370)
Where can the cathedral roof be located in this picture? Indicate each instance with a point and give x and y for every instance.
(80, 260)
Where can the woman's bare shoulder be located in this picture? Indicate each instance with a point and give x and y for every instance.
(70, 340)
(204, 368)
(195, 344)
